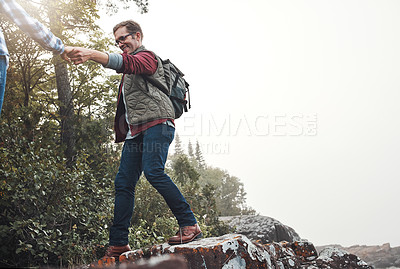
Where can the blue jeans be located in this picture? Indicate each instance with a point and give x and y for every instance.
(148, 153)
(3, 75)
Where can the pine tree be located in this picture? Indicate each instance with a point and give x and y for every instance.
(178, 145)
(199, 156)
(190, 150)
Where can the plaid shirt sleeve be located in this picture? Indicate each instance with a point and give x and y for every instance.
(32, 27)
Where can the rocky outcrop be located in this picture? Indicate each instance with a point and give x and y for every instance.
(378, 256)
(262, 228)
(160, 262)
(263, 242)
(236, 251)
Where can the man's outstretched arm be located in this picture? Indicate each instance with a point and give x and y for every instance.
(143, 62)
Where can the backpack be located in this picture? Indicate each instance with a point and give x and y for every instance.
(178, 88)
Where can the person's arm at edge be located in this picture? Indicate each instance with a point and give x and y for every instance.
(33, 28)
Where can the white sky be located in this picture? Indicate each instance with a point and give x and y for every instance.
(298, 99)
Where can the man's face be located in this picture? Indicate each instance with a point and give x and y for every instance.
(127, 42)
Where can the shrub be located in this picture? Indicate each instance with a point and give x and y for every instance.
(50, 214)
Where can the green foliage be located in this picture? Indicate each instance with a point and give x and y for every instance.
(49, 213)
(227, 191)
(145, 234)
(113, 7)
(153, 222)
(201, 198)
(230, 194)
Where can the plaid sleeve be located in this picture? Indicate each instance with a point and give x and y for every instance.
(32, 27)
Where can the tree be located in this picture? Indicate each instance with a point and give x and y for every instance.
(26, 74)
(229, 191)
(199, 156)
(201, 199)
(190, 150)
(113, 7)
(66, 19)
(178, 146)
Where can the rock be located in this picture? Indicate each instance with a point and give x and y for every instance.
(229, 251)
(336, 258)
(137, 261)
(236, 251)
(263, 243)
(305, 250)
(265, 229)
(132, 256)
(378, 256)
(160, 262)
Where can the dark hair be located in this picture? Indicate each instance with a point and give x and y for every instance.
(131, 26)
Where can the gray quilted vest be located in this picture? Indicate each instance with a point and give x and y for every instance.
(144, 101)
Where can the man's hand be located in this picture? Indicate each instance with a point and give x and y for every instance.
(80, 55)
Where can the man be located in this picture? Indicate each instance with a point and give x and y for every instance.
(145, 121)
(30, 26)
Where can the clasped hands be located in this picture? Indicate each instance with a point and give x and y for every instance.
(76, 55)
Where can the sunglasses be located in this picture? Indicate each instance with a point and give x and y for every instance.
(122, 39)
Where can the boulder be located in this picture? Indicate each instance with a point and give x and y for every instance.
(336, 258)
(228, 251)
(138, 261)
(159, 262)
(236, 251)
(383, 256)
(262, 228)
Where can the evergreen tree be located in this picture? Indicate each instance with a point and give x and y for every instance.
(199, 156)
(178, 146)
(190, 150)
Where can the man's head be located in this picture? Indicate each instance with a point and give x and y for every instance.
(128, 36)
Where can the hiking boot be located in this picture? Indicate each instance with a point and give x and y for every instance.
(112, 255)
(186, 234)
(116, 251)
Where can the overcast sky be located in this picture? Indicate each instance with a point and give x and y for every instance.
(299, 99)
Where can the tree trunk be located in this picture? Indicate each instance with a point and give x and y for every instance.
(63, 89)
(66, 109)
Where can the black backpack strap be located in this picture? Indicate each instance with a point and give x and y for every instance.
(188, 94)
(176, 81)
